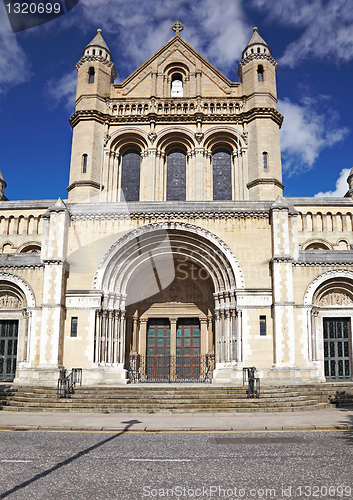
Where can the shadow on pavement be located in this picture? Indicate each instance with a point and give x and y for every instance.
(130, 423)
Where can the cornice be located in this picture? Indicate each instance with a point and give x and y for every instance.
(265, 180)
(190, 117)
(75, 184)
(170, 210)
(99, 59)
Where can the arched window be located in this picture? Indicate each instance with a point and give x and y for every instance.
(222, 175)
(176, 175)
(84, 163)
(260, 73)
(130, 175)
(91, 75)
(265, 161)
(177, 86)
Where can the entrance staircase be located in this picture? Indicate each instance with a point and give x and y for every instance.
(181, 398)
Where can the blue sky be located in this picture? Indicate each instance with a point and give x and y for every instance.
(311, 40)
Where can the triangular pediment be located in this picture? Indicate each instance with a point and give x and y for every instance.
(175, 52)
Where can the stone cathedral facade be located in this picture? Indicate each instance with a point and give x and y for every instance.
(176, 256)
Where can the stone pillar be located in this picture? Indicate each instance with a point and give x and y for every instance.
(282, 285)
(54, 255)
(173, 334)
(143, 337)
(204, 348)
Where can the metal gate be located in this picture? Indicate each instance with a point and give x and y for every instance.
(8, 349)
(337, 349)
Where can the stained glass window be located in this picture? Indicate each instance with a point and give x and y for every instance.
(130, 175)
(222, 175)
(176, 175)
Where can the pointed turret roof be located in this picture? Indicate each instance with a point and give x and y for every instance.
(98, 41)
(255, 39)
(2, 178)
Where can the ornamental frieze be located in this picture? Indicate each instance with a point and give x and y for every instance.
(10, 302)
(335, 299)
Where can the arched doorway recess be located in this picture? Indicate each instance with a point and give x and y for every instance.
(331, 315)
(169, 293)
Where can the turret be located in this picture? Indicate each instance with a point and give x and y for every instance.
(96, 70)
(2, 188)
(349, 193)
(96, 74)
(257, 71)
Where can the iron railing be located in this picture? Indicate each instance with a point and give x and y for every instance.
(169, 368)
(66, 383)
(253, 382)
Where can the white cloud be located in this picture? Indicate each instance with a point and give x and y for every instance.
(305, 133)
(14, 66)
(217, 28)
(62, 91)
(341, 185)
(327, 28)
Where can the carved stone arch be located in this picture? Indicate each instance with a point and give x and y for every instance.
(128, 137)
(29, 246)
(224, 135)
(21, 284)
(207, 249)
(333, 278)
(7, 245)
(320, 242)
(175, 137)
(175, 67)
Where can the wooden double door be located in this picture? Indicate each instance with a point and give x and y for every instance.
(176, 358)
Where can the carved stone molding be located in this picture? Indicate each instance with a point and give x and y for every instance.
(10, 302)
(335, 299)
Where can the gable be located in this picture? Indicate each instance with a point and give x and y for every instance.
(176, 56)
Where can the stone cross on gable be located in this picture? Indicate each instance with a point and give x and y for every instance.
(177, 27)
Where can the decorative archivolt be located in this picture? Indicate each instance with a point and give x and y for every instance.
(225, 136)
(127, 137)
(333, 288)
(154, 245)
(318, 243)
(174, 136)
(15, 292)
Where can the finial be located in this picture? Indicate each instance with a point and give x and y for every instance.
(99, 31)
(177, 27)
(255, 29)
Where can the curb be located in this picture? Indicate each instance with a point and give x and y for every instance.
(294, 428)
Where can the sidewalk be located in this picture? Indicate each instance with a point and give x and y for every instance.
(328, 419)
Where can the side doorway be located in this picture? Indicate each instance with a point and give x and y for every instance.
(8, 349)
(337, 349)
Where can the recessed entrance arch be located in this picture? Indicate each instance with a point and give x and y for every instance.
(172, 272)
(330, 322)
(16, 298)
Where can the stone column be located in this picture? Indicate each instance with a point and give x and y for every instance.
(54, 255)
(204, 347)
(282, 284)
(142, 348)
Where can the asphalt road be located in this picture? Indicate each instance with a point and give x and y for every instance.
(82, 465)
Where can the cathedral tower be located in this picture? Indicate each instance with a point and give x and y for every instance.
(257, 71)
(96, 74)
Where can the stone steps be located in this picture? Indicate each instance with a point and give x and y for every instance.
(169, 398)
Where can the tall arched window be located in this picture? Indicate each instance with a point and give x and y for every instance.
(176, 175)
(265, 160)
(222, 175)
(91, 75)
(130, 175)
(84, 163)
(177, 86)
(260, 73)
